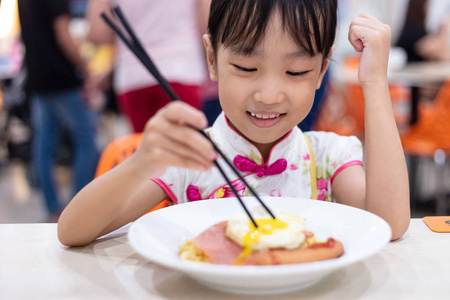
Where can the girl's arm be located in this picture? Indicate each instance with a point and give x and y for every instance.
(126, 192)
(386, 188)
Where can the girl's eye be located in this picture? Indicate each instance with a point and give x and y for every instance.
(239, 68)
(297, 73)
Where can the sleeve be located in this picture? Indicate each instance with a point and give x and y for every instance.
(57, 8)
(171, 183)
(334, 153)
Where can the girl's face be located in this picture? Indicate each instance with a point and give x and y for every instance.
(265, 94)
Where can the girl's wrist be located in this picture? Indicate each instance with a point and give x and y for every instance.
(136, 168)
(375, 85)
(376, 95)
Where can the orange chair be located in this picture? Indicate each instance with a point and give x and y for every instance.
(116, 152)
(432, 131)
(430, 137)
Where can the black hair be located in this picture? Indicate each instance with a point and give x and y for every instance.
(242, 23)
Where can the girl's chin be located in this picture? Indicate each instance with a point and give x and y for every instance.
(259, 135)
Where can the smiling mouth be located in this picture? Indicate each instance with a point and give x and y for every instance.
(264, 116)
(265, 120)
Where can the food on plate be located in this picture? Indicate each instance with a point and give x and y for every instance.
(284, 240)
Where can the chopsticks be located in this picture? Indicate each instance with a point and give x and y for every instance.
(136, 47)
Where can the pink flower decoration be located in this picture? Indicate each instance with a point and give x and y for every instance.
(193, 193)
(275, 193)
(306, 157)
(228, 192)
(245, 164)
(239, 186)
(293, 167)
(322, 184)
(322, 188)
(321, 196)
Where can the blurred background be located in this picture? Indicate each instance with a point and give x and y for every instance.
(419, 70)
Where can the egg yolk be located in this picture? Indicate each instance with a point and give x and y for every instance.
(265, 227)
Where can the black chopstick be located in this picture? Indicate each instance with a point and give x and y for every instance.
(136, 47)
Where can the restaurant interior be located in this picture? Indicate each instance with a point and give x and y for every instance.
(144, 259)
(422, 123)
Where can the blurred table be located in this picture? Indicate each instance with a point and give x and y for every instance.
(34, 265)
(419, 74)
(414, 75)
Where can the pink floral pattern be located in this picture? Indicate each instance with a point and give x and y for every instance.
(322, 189)
(275, 193)
(226, 191)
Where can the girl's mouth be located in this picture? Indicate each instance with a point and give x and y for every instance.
(265, 120)
(262, 116)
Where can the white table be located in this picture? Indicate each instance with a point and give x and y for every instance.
(414, 75)
(421, 73)
(34, 265)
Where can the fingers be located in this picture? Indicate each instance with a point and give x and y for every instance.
(176, 122)
(373, 39)
(172, 138)
(183, 113)
(355, 40)
(186, 154)
(366, 29)
(185, 141)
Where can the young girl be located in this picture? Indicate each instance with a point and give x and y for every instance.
(268, 58)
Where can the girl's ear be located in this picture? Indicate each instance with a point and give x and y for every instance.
(325, 65)
(210, 59)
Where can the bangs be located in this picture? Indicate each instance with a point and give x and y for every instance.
(241, 24)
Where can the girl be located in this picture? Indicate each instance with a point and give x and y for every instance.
(268, 60)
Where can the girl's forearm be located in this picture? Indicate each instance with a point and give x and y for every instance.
(98, 204)
(387, 187)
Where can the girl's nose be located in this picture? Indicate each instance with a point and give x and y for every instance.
(270, 92)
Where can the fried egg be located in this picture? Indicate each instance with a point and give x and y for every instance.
(286, 231)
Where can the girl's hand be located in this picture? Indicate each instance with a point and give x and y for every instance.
(372, 39)
(170, 139)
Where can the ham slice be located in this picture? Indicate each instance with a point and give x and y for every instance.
(219, 249)
(217, 246)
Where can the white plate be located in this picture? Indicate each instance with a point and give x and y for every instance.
(158, 235)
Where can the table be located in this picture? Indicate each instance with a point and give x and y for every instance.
(414, 75)
(418, 74)
(34, 265)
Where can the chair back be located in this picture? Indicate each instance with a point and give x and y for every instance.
(432, 131)
(116, 152)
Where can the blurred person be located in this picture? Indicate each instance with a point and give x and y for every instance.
(422, 45)
(419, 44)
(169, 31)
(55, 81)
(210, 90)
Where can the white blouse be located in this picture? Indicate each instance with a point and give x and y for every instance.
(294, 168)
